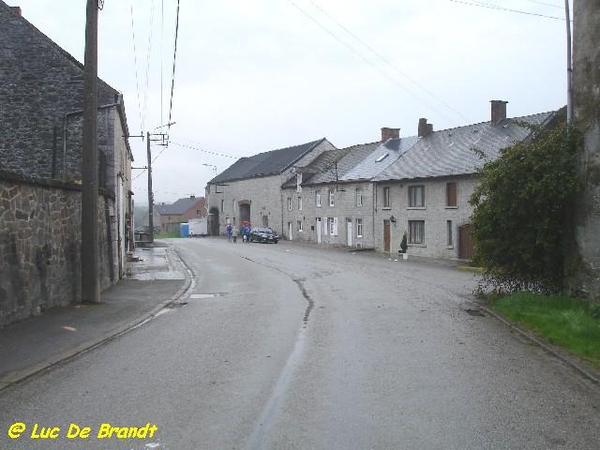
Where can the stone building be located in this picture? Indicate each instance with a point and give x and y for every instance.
(171, 215)
(250, 189)
(426, 192)
(41, 111)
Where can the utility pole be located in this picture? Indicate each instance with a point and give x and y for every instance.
(150, 194)
(569, 65)
(90, 286)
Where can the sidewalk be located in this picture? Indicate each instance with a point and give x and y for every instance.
(37, 343)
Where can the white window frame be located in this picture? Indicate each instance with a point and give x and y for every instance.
(289, 203)
(300, 227)
(332, 224)
(318, 198)
(299, 203)
(416, 236)
(413, 200)
(387, 198)
(359, 228)
(331, 198)
(359, 197)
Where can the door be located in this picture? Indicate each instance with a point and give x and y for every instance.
(466, 246)
(386, 236)
(349, 232)
(319, 231)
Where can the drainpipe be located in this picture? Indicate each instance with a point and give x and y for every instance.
(374, 209)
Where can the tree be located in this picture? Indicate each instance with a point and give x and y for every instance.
(521, 211)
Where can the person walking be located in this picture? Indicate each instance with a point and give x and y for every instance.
(236, 232)
(229, 232)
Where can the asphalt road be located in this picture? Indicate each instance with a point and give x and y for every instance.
(292, 347)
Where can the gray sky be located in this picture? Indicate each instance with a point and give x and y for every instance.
(257, 75)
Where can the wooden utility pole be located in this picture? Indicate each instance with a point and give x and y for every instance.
(90, 286)
(150, 193)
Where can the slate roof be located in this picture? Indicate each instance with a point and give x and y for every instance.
(321, 165)
(452, 152)
(377, 161)
(178, 208)
(264, 164)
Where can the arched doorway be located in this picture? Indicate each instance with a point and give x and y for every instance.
(213, 221)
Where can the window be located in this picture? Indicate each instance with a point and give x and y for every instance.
(416, 231)
(300, 229)
(318, 198)
(450, 194)
(416, 196)
(333, 226)
(331, 198)
(359, 228)
(289, 202)
(450, 238)
(299, 203)
(222, 205)
(359, 197)
(386, 197)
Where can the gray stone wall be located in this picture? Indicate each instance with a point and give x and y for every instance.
(345, 210)
(584, 262)
(40, 246)
(435, 213)
(41, 98)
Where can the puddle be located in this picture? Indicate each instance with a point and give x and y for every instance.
(203, 295)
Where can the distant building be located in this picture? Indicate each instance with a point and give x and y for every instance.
(169, 216)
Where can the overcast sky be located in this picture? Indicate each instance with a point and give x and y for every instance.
(258, 75)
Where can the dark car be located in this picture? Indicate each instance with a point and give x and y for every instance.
(266, 235)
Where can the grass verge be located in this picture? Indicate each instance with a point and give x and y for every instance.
(564, 321)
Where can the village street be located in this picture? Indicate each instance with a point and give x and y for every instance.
(295, 347)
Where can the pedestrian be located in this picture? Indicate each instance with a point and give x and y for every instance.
(236, 232)
(229, 232)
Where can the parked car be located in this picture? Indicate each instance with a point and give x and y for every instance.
(265, 235)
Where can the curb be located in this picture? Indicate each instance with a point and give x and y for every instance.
(130, 326)
(513, 326)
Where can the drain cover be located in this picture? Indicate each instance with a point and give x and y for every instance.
(474, 312)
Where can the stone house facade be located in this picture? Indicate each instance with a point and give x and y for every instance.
(41, 111)
(250, 189)
(426, 192)
(337, 194)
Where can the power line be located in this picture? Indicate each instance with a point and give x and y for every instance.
(387, 61)
(366, 60)
(174, 64)
(137, 83)
(545, 4)
(224, 155)
(500, 8)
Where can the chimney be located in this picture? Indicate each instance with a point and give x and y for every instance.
(498, 111)
(424, 127)
(16, 10)
(389, 133)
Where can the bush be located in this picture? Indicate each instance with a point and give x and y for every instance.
(521, 210)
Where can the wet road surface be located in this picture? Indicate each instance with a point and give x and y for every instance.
(292, 347)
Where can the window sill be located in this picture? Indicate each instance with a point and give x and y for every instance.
(419, 208)
(386, 208)
(451, 207)
(450, 247)
(418, 245)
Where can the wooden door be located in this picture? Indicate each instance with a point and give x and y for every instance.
(386, 236)
(466, 246)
